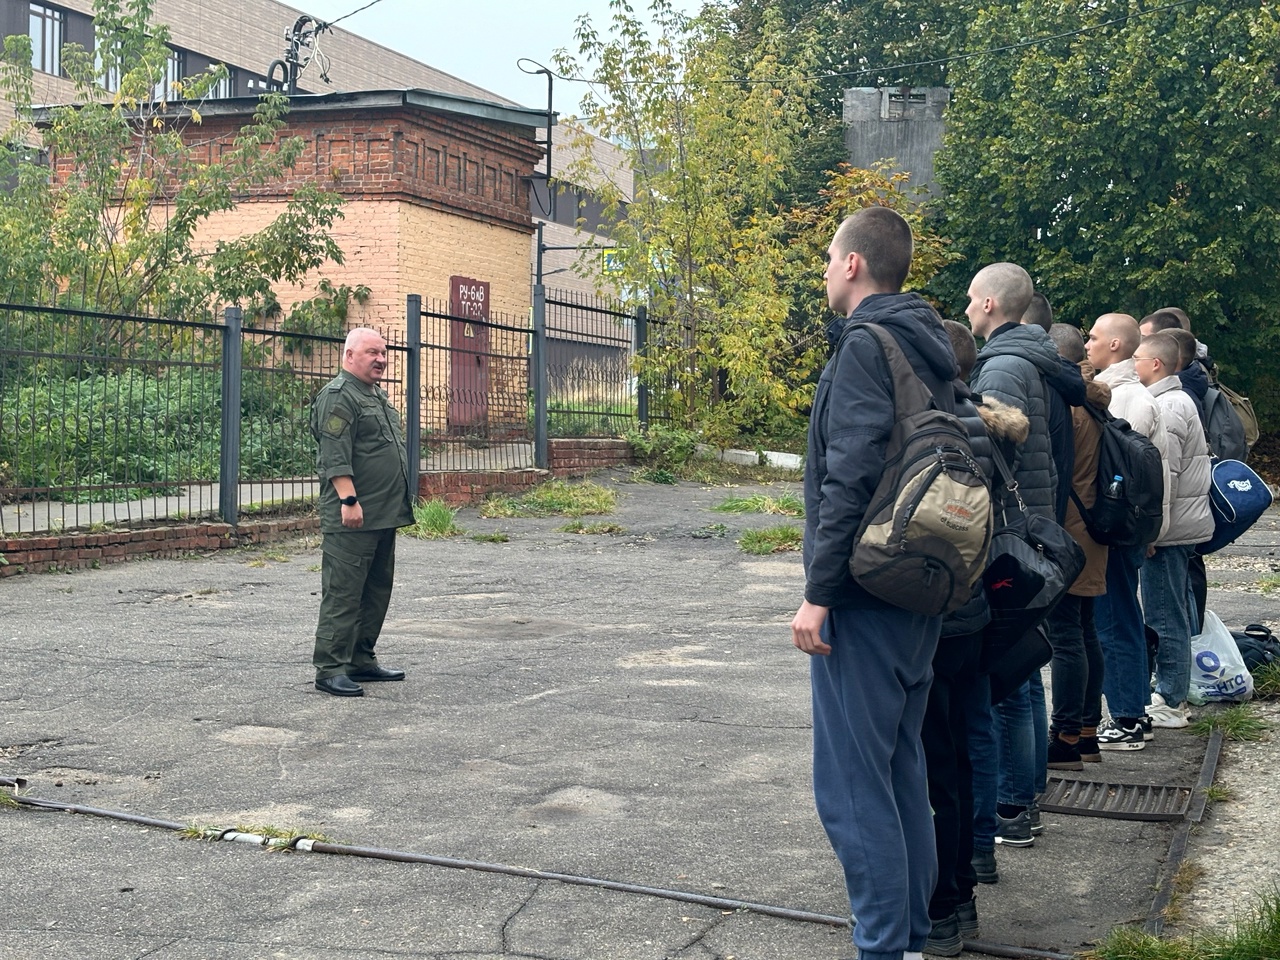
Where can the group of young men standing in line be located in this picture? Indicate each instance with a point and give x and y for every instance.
(917, 775)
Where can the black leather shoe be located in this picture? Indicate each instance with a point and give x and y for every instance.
(374, 674)
(340, 686)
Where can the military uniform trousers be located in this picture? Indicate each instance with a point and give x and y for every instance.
(356, 573)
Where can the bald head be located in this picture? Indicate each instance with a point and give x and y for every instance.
(1112, 339)
(1000, 293)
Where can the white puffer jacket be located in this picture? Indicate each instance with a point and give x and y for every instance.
(1133, 402)
(1189, 518)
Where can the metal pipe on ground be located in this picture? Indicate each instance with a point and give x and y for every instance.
(317, 846)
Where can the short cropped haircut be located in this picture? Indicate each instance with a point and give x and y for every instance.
(1011, 287)
(965, 347)
(1183, 320)
(1039, 313)
(1165, 347)
(1186, 346)
(1162, 320)
(1069, 341)
(883, 239)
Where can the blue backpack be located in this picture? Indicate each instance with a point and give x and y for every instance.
(1237, 498)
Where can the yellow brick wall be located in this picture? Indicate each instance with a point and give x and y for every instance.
(435, 246)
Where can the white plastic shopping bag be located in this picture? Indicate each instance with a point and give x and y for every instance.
(1218, 672)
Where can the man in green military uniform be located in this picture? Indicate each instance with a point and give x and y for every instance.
(364, 497)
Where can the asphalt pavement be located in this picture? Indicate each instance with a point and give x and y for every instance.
(623, 708)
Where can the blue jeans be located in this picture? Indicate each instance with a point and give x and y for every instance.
(1126, 681)
(1016, 739)
(1167, 603)
(984, 754)
(870, 782)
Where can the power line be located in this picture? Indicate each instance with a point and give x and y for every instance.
(330, 23)
(897, 68)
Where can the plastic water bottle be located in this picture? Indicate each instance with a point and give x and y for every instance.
(1115, 489)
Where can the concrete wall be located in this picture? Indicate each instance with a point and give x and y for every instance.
(902, 124)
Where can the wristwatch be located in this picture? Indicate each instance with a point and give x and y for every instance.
(350, 501)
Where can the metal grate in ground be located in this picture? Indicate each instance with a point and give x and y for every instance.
(1118, 801)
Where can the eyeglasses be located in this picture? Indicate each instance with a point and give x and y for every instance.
(1137, 358)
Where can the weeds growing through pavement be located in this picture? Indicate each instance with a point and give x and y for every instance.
(786, 504)
(496, 537)
(555, 498)
(1239, 721)
(1266, 680)
(433, 520)
(771, 540)
(577, 526)
(1218, 793)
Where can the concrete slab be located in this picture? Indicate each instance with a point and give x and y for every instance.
(625, 707)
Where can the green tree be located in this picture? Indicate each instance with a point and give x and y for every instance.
(1128, 165)
(115, 226)
(712, 238)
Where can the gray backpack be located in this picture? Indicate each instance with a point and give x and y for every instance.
(923, 542)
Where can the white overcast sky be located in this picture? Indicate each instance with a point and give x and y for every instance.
(479, 40)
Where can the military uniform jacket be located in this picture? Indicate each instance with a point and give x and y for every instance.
(358, 435)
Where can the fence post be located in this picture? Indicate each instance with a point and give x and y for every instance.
(413, 390)
(229, 461)
(541, 458)
(642, 389)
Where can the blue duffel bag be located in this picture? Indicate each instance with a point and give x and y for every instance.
(1237, 498)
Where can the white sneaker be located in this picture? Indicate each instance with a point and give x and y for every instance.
(1163, 715)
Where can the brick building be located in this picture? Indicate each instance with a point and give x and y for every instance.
(248, 36)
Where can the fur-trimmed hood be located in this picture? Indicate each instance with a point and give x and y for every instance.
(1002, 420)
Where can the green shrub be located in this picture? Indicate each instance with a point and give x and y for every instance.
(139, 432)
(661, 447)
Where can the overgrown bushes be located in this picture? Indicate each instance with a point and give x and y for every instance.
(133, 430)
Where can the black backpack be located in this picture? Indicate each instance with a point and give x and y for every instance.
(1258, 647)
(1129, 506)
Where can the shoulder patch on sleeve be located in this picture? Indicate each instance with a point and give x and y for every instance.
(335, 423)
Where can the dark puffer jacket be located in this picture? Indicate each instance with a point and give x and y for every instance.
(990, 421)
(849, 430)
(1013, 367)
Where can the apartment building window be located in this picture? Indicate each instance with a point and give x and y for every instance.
(47, 27)
(175, 68)
(224, 88)
(108, 72)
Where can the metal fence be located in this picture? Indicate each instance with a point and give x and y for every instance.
(108, 419)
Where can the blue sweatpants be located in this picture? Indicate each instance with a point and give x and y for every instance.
(869, 777)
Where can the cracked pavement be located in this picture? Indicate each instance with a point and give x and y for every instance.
(625, 707)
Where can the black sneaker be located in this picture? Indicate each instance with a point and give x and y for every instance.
(944, 939)
(1148, 727)
(1112, 736)
(1033, 812)
(1089, 750)
(967, 914)
(1015, 832)
(1063, 755)
(984, 866)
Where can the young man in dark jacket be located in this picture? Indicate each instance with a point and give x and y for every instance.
(870, 662)
(1016, 366)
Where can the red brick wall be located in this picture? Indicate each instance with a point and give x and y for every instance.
(568, 458)
(48, 554)
(78, 551)
(441, 160)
